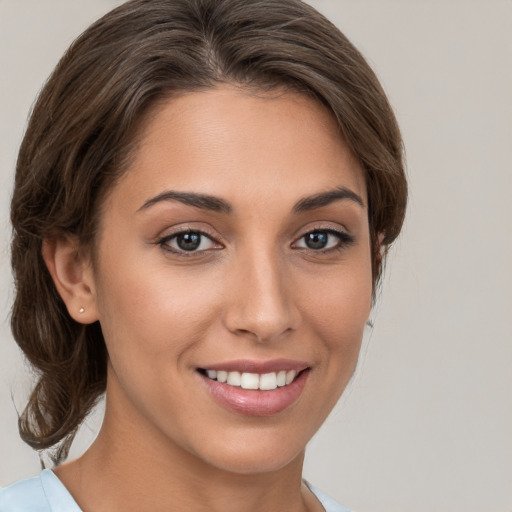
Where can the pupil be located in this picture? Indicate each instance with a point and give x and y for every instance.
(316, 240)
(189, 241)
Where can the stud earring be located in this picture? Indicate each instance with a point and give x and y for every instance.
(81, 310)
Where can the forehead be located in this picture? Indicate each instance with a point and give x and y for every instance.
(242, 146)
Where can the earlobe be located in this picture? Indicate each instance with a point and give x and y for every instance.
(73, 277)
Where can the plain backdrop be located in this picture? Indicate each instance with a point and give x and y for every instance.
(427, 423)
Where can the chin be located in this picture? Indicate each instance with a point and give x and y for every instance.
(252, 463)
(252, 455)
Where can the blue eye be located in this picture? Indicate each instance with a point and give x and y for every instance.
(188, 241)
(324, 239)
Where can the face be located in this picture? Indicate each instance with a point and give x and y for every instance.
(236, 247)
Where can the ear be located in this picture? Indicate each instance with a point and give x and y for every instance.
(73, 277)
(382, 247)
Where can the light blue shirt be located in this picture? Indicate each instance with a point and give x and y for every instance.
(46, 493)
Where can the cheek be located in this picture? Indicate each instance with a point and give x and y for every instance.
(153, 324)
(156, 315)
(345, 309)
(338, 308)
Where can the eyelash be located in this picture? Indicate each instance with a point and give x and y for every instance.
(344, 240)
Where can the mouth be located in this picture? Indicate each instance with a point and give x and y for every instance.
(255, 389)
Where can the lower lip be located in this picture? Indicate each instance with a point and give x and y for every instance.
(255, 402)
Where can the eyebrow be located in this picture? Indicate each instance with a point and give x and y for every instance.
(326, 198)
(216, 204)
(202, 201)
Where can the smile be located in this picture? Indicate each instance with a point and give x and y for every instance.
(256, 388)
(245, 380)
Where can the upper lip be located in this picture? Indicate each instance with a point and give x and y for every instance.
(255, 366)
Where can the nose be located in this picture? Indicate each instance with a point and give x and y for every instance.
(261, 303)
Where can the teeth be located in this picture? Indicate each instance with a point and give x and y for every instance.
(290, 376)
(264, 382)
(268, 381)
(234, 378)
(250, 381)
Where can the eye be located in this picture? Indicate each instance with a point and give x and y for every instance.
(324, 240)
(188, 241)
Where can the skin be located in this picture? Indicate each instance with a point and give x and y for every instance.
(254, 291)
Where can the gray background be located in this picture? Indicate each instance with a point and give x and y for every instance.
(427, 424)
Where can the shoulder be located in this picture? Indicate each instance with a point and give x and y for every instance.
(43, 493)
(24, 495)
(327, 502)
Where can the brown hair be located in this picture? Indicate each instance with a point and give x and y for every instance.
(82, 129)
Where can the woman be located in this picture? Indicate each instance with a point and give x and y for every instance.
(203, 200)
